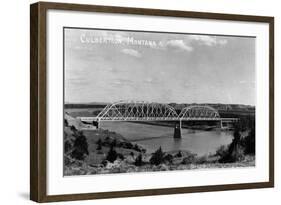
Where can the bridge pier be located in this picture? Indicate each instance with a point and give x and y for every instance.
(224, 124)
(227, 123)
(96, 124)
(177, 131)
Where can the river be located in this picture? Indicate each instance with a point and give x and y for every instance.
(151, 137)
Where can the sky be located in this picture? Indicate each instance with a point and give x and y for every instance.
(109, 66)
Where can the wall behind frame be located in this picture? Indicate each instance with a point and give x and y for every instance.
(14, 120)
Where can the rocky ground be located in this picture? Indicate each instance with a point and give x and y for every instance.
(127, 166)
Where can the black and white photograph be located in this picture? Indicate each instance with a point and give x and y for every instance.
(149, 101)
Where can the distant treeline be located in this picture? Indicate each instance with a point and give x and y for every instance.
(236, 113)
(219, 107)
(224, 109)
(84, 105)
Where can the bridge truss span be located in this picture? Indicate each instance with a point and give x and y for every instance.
(146, 111)
(203, 112)
(137, 111)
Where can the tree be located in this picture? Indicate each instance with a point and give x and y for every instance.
(99, 143)
(111, 155)
(73, 128)
(157, 157)
(80, 147)
(114, 143)
(67, 146)
(138, 161)
(235, 151)
(250, 142)
(65, 123)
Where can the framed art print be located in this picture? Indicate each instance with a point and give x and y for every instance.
(134, 102)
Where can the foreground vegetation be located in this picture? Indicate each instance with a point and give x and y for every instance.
(101, 151)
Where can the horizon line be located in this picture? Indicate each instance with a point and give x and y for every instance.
(158, 102)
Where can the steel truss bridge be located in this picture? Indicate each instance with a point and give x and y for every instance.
(145, 111)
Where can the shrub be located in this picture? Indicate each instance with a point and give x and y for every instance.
(104, 163)
(139, 161)
(107, 139)
(157, 157)
(202, 160)
(80, 147)
(67, 146)
(168, 158)
(120, 156)
(99, 143)
(129, 145)
(179, 154)
(137, 148)
(111, 155)
(114, 143)
(189, 159)
(73, 128)
(65, 123)
(66, 160)
(222, 151)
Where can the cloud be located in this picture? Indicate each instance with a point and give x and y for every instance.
(180, 44)
(222, 41)
(131, 52)
(207, 40)
(188, 84)
(77, 81)
(246, 82)
(243, 82)
(150, 80)
(186, 43)
(121, 82)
